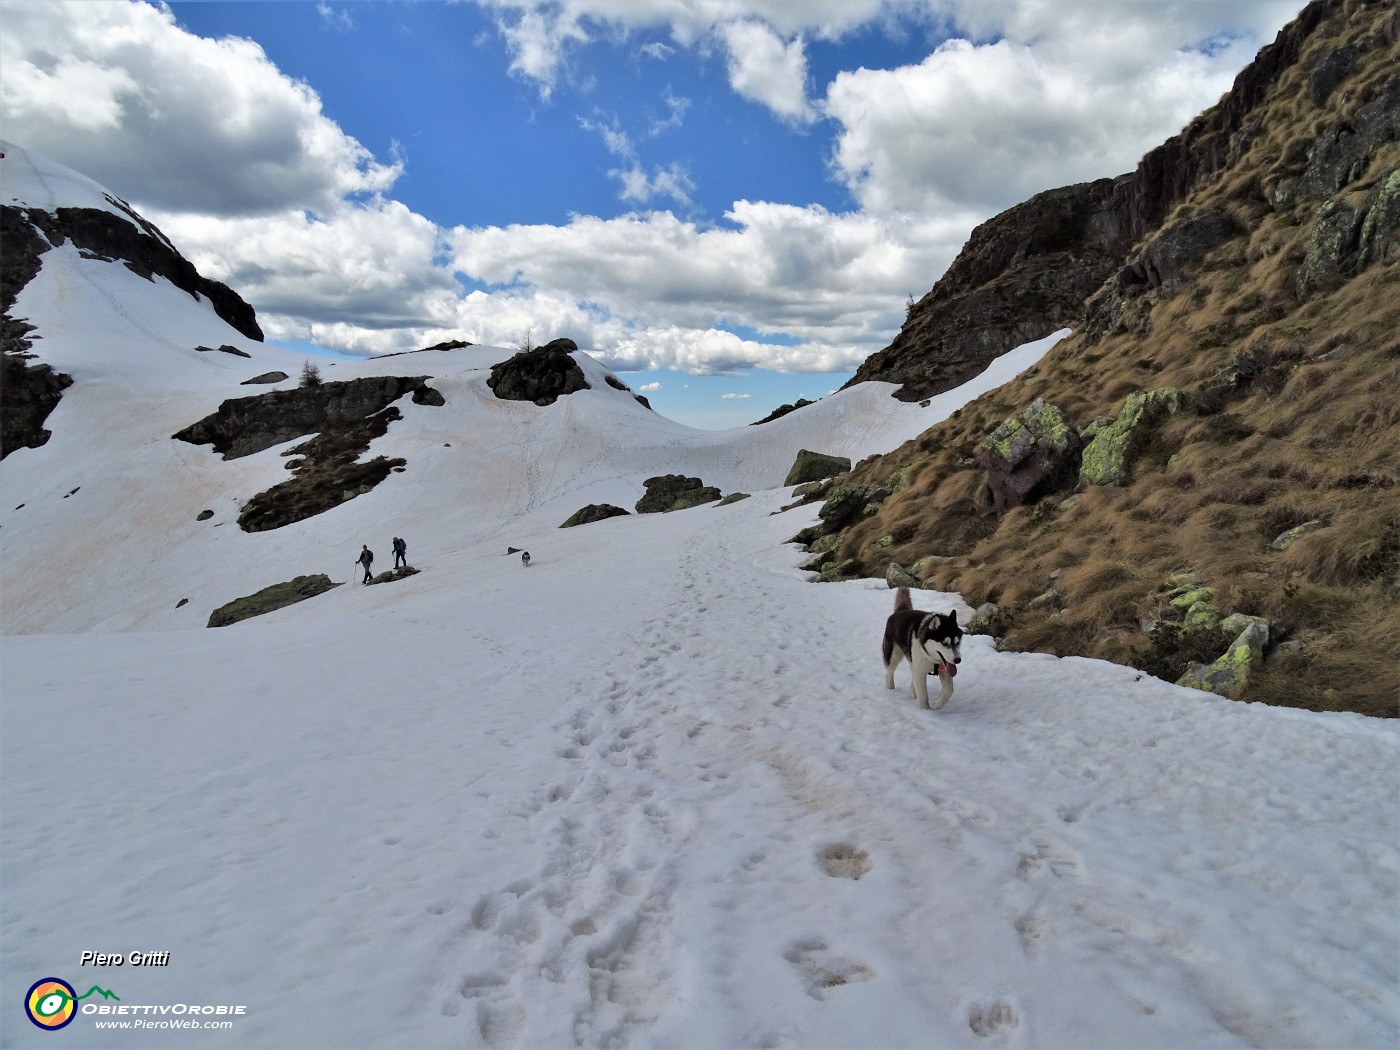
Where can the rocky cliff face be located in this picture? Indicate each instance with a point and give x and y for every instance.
(30, 389)
(1214, 445)
(1033, 269)
(1022, 275)
(133, 241)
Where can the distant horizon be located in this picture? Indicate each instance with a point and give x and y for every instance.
(754, 193)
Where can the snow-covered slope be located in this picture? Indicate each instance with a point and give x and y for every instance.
(650, 791)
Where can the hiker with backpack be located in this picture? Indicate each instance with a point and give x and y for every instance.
(366, 559)
(400, 552)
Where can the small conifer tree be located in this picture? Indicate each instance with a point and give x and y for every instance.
(310, 375)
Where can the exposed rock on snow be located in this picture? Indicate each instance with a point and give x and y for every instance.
(542, 375)
(675, 492)
(815, 466)
(277, 596)
(591, 513)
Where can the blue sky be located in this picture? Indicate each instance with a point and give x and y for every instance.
(718, 200)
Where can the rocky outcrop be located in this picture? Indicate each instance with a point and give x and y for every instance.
(264, 379)
(1022, 275)
(224, 349)
(278, 596)
(345, 417)
(542, 375)
(1229, 675)
(29, 390)
(1030, 455)
(675, 492)
(815, 466)
(394, 575)
(618, 384)
(1108, 458)
(245, 425)
(782, 410)
(591, 513)
(141, 247)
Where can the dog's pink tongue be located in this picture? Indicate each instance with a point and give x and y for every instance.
(952, 670)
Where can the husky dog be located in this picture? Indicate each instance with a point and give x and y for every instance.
(929, 641)
(525, 558)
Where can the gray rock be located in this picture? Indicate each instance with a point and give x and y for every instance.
(542, 375)
(264, 379)
(1285, 539)
(675, 492)
(1030, 455)
(814, 466)
(394, 575)
(898, 576)
(733, 497)
(589, 514)
(278, 596)
(1229, 675)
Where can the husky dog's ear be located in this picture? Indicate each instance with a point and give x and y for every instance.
(953, 617)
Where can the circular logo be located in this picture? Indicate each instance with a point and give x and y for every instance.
(50, 1003)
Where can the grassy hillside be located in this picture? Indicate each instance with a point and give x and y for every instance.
(1269, 302)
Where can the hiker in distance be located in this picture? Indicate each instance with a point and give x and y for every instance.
(400, 552)
(366, 559)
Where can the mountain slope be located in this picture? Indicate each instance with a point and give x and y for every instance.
(650, 791)
(1259, 299)
(102, 524)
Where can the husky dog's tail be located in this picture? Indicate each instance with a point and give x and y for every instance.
(902, 599)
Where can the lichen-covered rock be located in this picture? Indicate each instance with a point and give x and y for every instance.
(264, 378)
(811, 488)
(1229, 675)
(834, 571)
(898, 576)
(1030, 455)
(925, 565)
(542, 375)
(733, 497)
(675, 492)
(1108, 459)
(1379, 241)
(1285, 539)
(814, 466)
(1051, 599)
(1331, 250)
(1196, 607)
(846, 505)
(278, 596)
(989, 618)
(591, 513)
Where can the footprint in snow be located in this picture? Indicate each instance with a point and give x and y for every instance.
(823, 970)
(991, 1019)
(844, 861)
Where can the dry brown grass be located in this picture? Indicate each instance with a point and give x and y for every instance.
(1314, 434)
